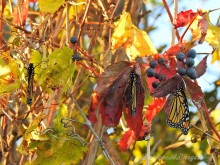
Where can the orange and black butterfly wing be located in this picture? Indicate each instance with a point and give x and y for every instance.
(179, 113)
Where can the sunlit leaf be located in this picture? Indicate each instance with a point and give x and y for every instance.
(213, 38)
(135, 41)
(33, 125)
(50, 151)
(216, 55)
(184, 18)
(50, 6)
(199, 26)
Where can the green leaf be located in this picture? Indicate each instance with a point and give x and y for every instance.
(50, 6)
(59, 70)
(33, 125)
(30, 135)
(56, 152)
(50, 151)
(62, 112)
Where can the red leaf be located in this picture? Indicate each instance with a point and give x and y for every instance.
(111, 73)
(172, 51)
(19, 18)
(167, 87)
(184, 17)
(128, 138)
(113, 100)
(93, 107)
(33, 1)
(154, 108)
(201, 67)
(109, 93)
(194, 90)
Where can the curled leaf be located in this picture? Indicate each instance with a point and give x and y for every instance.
(184, 17)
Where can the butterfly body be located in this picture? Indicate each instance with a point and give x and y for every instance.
(30, 83)
(133, 90)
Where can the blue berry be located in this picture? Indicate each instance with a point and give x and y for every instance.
(153, 64)
(189, 62)
(76, 57)
(155, 84)
(156, 75)
(191, 53)
(150, 72)
(73, 40)
(162, 77)
(180, 56)
(181, 71)
(161, 60)
(191, 72)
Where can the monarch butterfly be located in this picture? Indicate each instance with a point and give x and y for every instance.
(30, 83)
(133, 90)
(179, 113)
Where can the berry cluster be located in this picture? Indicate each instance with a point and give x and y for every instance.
(75, 57)
(151, 72)
(188, 61)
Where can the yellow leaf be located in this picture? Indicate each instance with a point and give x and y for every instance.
(9, 74)
(136, 42)
(50, 6)
(216, 56)
(213, 38)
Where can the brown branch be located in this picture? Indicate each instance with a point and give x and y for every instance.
(170, 16)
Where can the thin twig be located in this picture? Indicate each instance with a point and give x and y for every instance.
(206, 133)
(170, 16)
(110, 30)
(89, 124)
(148, 152)
(67, 24)
(174, 16)
(181, 38)
(84, 18)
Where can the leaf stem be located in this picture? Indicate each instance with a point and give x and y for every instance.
(181, 38)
